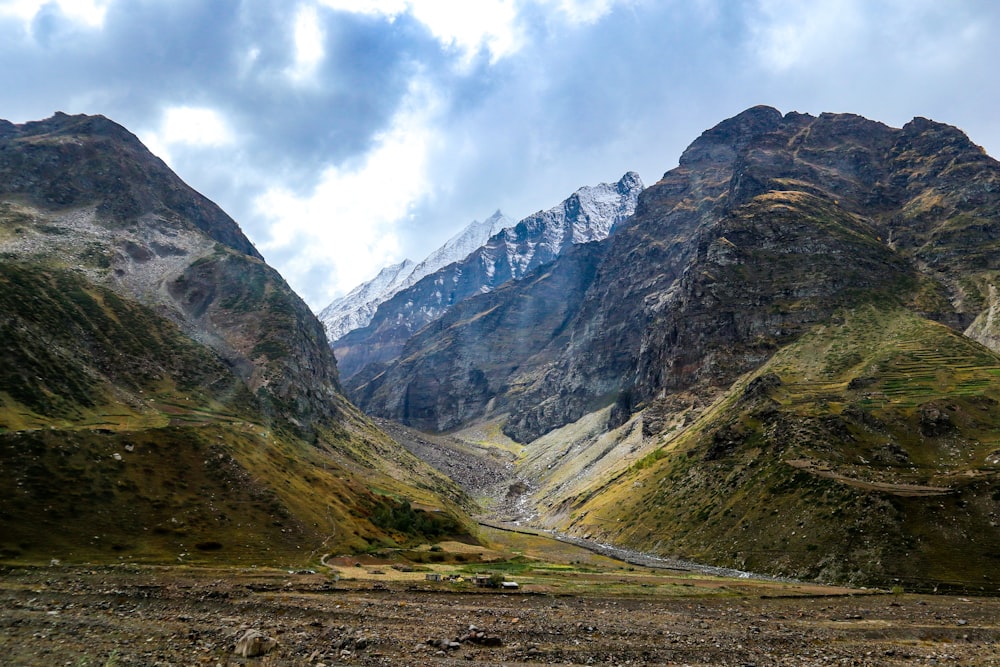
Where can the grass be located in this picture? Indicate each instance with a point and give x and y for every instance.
(871, 410)
(128, 441)
(559, 568)
(489, 434)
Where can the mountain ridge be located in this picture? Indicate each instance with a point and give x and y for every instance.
(164, 395)
(357, 308)
(656, 415)
(589, 214)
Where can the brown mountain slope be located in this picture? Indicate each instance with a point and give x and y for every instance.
(865, 451)
(162, 387)
(851, 267)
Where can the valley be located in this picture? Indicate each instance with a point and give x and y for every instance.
(784, 361)
(782, 358)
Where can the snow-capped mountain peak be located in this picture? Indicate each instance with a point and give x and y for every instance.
(356, 308)
(589, 214)
(460, 246)
(486, 255)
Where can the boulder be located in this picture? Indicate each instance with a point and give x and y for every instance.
(254, 643)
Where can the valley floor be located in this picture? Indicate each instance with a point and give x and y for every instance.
(134, 615)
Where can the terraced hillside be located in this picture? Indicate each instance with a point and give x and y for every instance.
(869, 450)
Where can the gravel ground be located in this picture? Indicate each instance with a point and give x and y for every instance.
(170, 616)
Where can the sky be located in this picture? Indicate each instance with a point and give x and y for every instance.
(346, 135)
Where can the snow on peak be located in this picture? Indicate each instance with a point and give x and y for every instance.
(356, 308)
(506, 250)
(460, 246)
(589, 214)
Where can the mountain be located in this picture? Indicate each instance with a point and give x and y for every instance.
(589, 214)
(459, 247)
(784, 361)
(163, 393)
(356, 309)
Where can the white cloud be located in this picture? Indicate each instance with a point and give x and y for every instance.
(787, 34)
(347, 226)
(909, 35)
(389, 8)
(581, 11)
(188, 126)
(467, 27)
(87, 12)
(308, 37)
(464, 26)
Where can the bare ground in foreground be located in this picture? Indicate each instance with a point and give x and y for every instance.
(132, 615)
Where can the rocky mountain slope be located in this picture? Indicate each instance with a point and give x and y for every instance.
(784, 361)
(589, 214)
(355, 309)
(163, 393)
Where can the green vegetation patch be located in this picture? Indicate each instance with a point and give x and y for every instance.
(864, 452)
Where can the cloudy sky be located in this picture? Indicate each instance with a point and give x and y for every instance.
(344, 135)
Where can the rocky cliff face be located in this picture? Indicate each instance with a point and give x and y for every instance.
(49, 162)
(356, 308)
(767, 225)
(589, 214)
(128, 222)
(160, 385)
(442, 390)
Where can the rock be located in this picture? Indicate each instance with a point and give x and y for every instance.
(254, 643)
(761, 386)
(934, 420)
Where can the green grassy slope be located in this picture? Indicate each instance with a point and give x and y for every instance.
(120, 437)
(868, 450)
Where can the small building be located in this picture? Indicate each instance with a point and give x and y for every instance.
(482, 580)
(432, 576)
(509, 585)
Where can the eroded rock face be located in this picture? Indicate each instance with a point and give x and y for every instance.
(93, 197)
(438, 386)
(69, 161)
(769, 224)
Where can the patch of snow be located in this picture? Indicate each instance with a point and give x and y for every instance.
(357, 308)
(505, 250)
